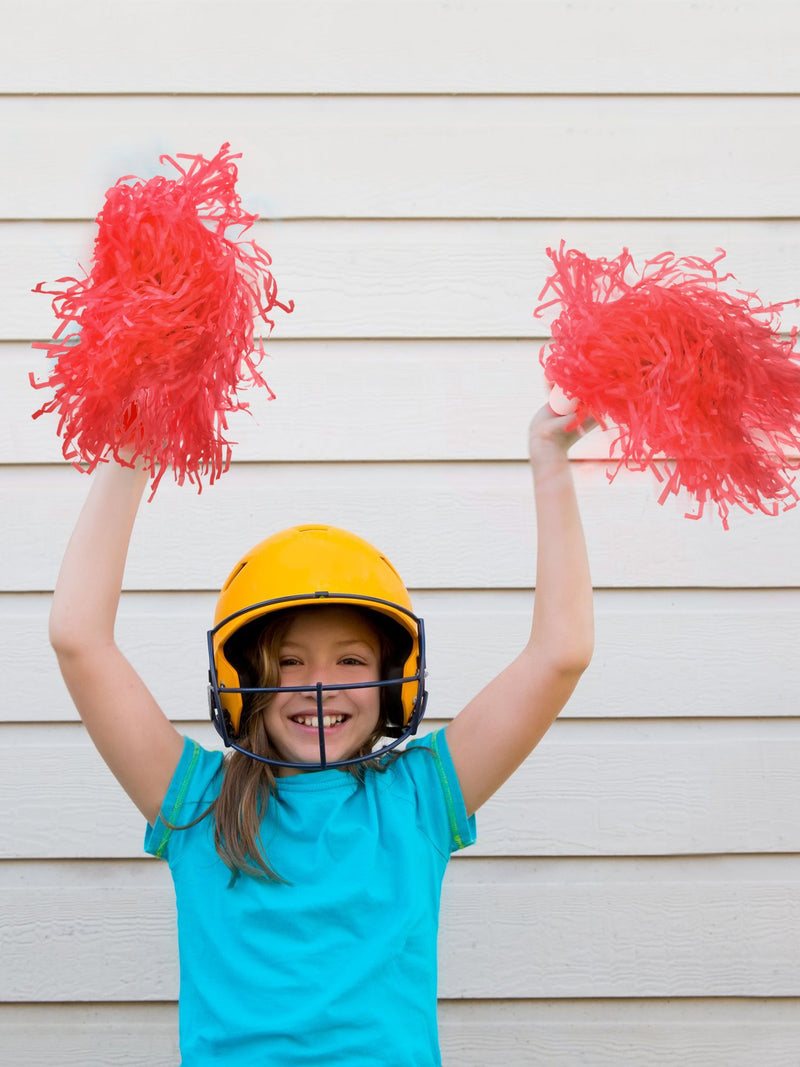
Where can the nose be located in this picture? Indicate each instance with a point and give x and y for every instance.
(314, 676)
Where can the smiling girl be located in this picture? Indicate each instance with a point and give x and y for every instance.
(308, 860)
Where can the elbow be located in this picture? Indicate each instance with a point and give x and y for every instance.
(564, 641)
(581, 655)
(572, 668)
(566, 672)
(66, 647)
(570, 658)
(62, 639)
(68, 638)
(64, 635)
(77, 653)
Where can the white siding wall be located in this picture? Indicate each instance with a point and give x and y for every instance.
(635, 896)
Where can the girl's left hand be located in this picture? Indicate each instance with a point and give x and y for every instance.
(553, 435)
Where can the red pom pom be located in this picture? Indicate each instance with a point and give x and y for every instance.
(165, 325)
(687, 372)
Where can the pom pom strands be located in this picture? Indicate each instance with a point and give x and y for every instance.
(688, 373)
(165, 325)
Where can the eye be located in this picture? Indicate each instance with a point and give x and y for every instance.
(352, 661)
(288, 661)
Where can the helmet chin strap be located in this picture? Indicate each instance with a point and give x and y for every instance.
(321, 729)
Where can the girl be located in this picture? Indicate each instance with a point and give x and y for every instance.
(308, 862)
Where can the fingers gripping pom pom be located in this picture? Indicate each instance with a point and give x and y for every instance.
(560, 403)
(696, 379)
(163, 326)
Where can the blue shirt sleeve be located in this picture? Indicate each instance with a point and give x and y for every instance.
(193, 787)
(437, 779)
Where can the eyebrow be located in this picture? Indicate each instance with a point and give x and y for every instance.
(344, 643)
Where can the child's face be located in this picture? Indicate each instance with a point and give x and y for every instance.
(330, 645)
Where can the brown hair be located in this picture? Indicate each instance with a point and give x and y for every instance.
(248, 784)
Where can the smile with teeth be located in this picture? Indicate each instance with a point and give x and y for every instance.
(313, 720)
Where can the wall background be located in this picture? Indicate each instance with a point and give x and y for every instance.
(635, 895)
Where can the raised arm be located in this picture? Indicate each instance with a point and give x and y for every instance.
(130, 730)
(498, 729)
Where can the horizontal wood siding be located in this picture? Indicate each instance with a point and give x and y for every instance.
(444, 526)
(734, 1032)
(403, 46)
(411, 279)
(647, 663)
(417, 157)
(652, 929)
(591, 789)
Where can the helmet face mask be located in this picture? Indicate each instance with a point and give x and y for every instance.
(315, 566)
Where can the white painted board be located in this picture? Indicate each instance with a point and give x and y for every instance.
(605, 1033)
(418, 278)
(601, 929)
(419, 157)
(654, 788)
(658, 653)
(444, 526)
(360, 46)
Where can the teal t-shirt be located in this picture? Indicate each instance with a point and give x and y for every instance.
(338, 964)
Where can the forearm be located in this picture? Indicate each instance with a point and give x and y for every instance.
(128, 727)
(507, 719)
(88, 588)
(563, 621)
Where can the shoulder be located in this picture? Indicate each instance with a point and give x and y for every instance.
(424, 775)
(193, 787)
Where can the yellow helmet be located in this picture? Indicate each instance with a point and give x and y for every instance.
(309, 566)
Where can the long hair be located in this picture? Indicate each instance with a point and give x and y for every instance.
(248, 786)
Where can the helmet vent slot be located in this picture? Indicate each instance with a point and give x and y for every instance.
(234, 574)
(391, 568)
